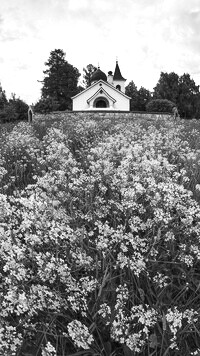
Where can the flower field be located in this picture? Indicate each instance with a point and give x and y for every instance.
(100, 238)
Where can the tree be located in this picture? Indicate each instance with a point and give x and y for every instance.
(188, 96)
(61, 80)
(131, 91)
(197, 107)
(46, 105)
(80, 88)
(88, 71)
(3, 99)
(144, 96)
(181, 90)
(19, 107)
(14, 109)
(139, 98)
(167, 87)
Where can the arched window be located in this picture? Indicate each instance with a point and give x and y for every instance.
(118, 87)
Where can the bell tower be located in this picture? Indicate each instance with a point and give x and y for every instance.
(118, 80)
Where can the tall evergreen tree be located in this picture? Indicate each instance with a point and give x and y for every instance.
(61, 80)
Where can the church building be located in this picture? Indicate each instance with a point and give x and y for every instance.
(105, 93)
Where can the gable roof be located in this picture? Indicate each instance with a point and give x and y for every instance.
(99, 92)
(97, 83)
(117, 74)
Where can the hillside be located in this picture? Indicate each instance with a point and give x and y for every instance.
(100, 226)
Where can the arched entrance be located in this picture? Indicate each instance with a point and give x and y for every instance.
(101, 103)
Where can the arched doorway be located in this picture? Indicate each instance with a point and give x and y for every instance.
(101, 103)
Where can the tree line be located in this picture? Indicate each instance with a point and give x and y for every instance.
(12, 109)
(61, 83)
(61, 80)
(171, 90)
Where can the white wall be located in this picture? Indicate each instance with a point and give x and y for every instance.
(80, 101)
(110, 79)
(121, 83)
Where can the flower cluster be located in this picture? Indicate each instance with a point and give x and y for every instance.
(80, 334)
(132, 327)
(99, 232)
(175, 319)
(49, 350)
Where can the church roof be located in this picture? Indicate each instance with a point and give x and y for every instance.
(101, 91)
(98, 83)
(98, 75)
(117, 74)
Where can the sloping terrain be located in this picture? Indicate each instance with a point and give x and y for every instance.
(99, 228)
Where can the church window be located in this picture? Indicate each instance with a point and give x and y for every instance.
(118, 87)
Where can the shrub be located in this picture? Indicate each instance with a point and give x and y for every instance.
(160, 105)
(44, 106)
(20, 108)
(47, 105)
(15, 109)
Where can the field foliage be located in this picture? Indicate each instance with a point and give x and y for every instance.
(100, 238)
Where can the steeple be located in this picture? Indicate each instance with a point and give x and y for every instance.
(117, 74)
(118, 80)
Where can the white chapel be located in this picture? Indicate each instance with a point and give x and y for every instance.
(105, 93)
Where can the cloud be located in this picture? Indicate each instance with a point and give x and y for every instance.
(9, 36)
(22, 66)
(98, 13)
(192, 23)
(147, 36)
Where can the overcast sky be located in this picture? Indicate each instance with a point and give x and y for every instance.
(147, 36)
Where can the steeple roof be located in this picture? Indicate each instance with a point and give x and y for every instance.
(117, 74)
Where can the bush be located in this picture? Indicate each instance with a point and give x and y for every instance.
(160, 105)
(47, 105)
(20, 108)
(15, 109)
(44, 106)
(8, 114)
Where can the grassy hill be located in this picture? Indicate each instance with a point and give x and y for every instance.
(99, 227)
